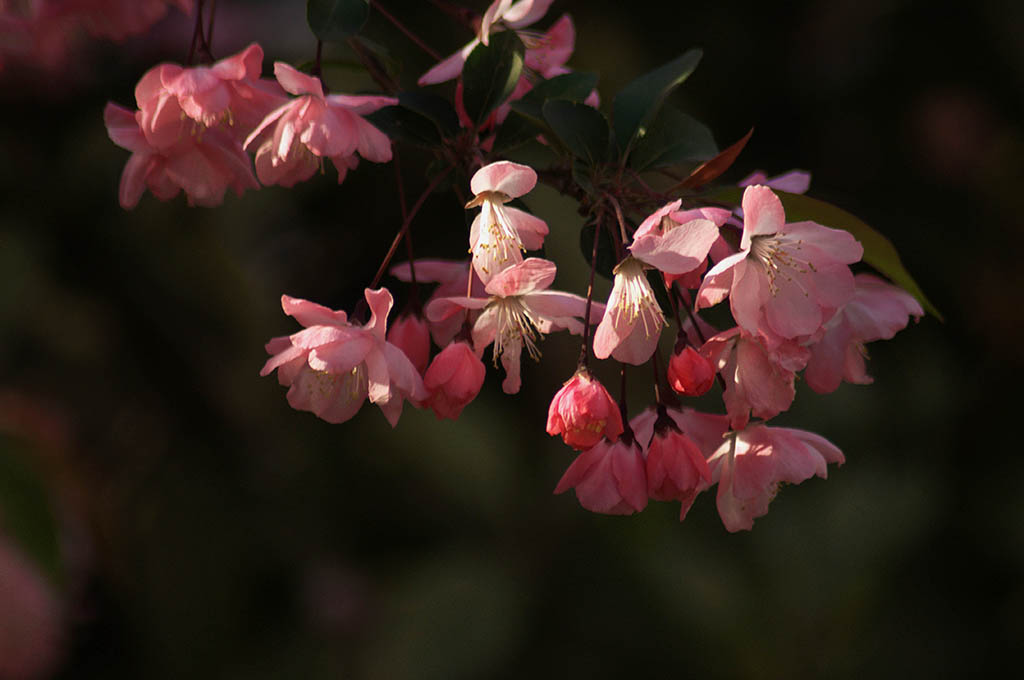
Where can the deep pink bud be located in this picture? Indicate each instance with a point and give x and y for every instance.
(583, 412)
(676, 468)
(453, 380)
(690, 373)
(411, 335)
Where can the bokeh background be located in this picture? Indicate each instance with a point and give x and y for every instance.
(195, 526)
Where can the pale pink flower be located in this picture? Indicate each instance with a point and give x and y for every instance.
(583, 412)
(203, 166)
(749, 466)
(312, 127)
(410, 334)
(609, 477)
(676, 242)
(632, 322)
(675, 466)
(500, 233)
(792, 182)
(757, 380)
(501, 14)
(518, 313)
(690, 373)
(788, 279)
(453, 380)
(877, 311)
(453, 277)
(30, 618)
(332, 365)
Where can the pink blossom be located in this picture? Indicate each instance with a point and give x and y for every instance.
(453, 277)
(877, 311)
(677, 242)
(332, 365)
(410, 334)
(792, 182)
(675, 466)
(501, 14)
(298, 135)
(750, 465)
(609, 477)
(453, 380)
(630, 327)
(30, 618)
(583, 412)
(203, 166)
(518, 313)
(788, 279)
(118, 19)
(756, 381)
(500, 234)
(690, 373)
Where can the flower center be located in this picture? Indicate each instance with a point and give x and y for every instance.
(497, 241)
(636, 298)
(516, 325)
(780, 257)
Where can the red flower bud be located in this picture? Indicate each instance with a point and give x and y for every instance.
(583, 413)
(690, 373)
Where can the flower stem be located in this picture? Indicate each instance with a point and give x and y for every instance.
(585, 349)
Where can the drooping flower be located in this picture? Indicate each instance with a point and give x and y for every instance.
(632, 322)
(500, 233)
(749, 466)
(203, 166)
(312, 127)
(583, 412)
(332, 365)
(501, 14)
(609, 477)
(410, 334)
(518, 313)
(677, 242)
(453, 277)
(453, 380)
(788, 279)
(690, 373)
(877, 311)
(675, 466)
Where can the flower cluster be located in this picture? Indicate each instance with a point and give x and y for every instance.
(671, 250)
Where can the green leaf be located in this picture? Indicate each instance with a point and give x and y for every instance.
(406, 125)
(637, 104)
(674, 138)
(336, 20)
(606, 259)
(574, 87)
(435, 108)
(491, 73)
(879, 252)
(583, 129)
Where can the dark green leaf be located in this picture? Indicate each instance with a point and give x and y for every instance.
(583, 129)
(406, 125)
(674, 138)
(879, 252)
(637, 104)
(491, 73)
(606, 259)
(573, 87)
(515, 130)
(436, 109)
(336, 20)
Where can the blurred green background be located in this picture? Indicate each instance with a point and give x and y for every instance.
(204, 529)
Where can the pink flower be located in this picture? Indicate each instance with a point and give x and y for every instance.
(313, 127)
(750, 464)
(690, 373)
(677, 242)
(332, 366)
(453, 277)
(500, 14)
(30, 618)
(632, 323)
(792, 182)
(788, 279)
(203, 166)
(410, 334)
(518, 313)
(453, 380)
(500, 234)
(675, 466)
(229, 93)
(877, 311)
(756, 380)
(609, 477)
(583, 412)
(118, 19)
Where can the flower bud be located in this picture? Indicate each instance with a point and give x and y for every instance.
(411, 334)
(689, 373)
(676, 469)
(583, 412)
(453, 380)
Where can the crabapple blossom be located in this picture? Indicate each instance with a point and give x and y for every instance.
(410, 334)
(453, 380)
(788, 279)
(677, 242)
(203, 166)
(877, 311)
(583, 412)
(518, 313)
(298, 135)
(630, 327)
(500, 233)
(331, 366)
(750, 464)
(690, 373)
(453, 277)
(675, 467)
(609, 477)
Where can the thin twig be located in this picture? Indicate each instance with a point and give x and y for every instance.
(409, 34)
(584, 350)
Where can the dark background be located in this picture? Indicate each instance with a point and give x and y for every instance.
(208, 530)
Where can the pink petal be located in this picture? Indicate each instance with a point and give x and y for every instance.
(531, 274)
(246, 64)
(555, 49)
(718, 282)
(504, 177)
(531, 230)
(762, 214)
(296, 82)
(448, 68)
(525, 12)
